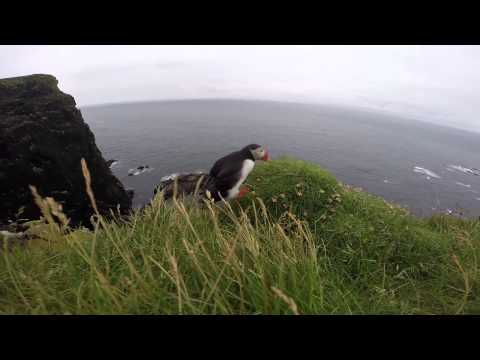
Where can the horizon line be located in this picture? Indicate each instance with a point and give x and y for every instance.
(294, 102)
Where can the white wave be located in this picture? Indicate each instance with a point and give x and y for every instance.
(463, 169)
(427, 172)
(462, 184)
(454, 212)
(138, 171)
(169, 177)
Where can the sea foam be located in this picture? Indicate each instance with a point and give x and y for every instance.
(426, 172)
(462, 169)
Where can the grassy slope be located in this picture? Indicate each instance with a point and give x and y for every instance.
(303, 243)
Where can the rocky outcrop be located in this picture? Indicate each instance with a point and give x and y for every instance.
(42, 140)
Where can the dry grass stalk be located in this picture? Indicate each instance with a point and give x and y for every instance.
(88, 185)
(287, 299)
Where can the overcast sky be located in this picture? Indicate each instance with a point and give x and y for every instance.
(433, 83)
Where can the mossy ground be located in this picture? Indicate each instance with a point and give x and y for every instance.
(302, 243)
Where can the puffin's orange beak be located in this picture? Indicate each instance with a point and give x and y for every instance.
(266, 156)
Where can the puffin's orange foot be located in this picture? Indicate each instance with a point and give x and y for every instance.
(243, 191)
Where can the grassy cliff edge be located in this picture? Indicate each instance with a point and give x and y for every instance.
(301, 243)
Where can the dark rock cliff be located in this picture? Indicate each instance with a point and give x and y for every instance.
(42, 139)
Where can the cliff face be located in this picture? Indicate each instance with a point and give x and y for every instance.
(42, 139)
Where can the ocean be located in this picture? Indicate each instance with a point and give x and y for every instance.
(421, 166)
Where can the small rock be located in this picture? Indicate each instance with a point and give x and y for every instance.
(37, 170)
(139, 170)
(130, 193)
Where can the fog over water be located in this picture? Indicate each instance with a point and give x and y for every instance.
(439, 84)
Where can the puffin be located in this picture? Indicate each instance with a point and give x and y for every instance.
(223, 181)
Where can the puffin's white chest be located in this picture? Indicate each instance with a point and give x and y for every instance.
(247, 168)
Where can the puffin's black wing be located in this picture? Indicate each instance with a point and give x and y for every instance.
(227, 165)
(227, 171)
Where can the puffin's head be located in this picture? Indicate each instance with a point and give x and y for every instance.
(258, 152)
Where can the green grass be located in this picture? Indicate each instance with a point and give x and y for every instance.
(302, 243)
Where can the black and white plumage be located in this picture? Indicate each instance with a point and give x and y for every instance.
(222, 182)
